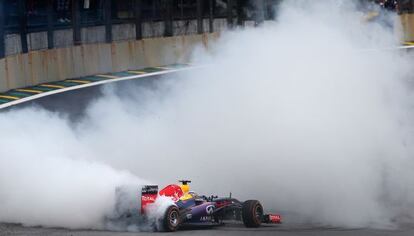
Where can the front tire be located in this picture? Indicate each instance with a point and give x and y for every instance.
(171, 219)
(252, 213)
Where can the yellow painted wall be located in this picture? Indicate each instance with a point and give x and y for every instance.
(407, 24)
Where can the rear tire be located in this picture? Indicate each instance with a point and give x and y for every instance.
(171, 219)
(252, 213)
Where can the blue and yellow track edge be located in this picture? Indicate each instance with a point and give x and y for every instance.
(25, 94)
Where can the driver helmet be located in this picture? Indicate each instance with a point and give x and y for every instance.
(185, 188)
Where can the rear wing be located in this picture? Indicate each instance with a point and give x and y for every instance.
(149, 194)
(272, 219)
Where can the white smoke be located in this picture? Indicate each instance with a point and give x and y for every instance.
(157, 210)
(307, 114)
(296, 113)
(45, 178)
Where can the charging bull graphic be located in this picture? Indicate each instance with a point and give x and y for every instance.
(188, 207)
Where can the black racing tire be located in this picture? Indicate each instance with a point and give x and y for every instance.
(252, 213)
(171, 220)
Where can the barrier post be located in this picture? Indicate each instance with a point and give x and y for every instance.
(50, 13)
(23, 24)
(200, 29)
(76, 22)
(2, 30)
(167, 5)
(138, 20)
(260, 12)
(211, 16)
(240, 13)
(108, 21)
(230, 13)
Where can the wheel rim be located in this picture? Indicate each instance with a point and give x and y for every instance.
(258, 213)
(173, 218)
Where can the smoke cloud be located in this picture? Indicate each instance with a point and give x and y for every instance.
(45, 178)
(306, 114)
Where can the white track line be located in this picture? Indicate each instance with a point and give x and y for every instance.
(33, 97)
(387, 49)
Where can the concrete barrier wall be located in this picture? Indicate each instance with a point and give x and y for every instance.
(40, 66)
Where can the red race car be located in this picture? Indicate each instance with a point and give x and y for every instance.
(185, 207)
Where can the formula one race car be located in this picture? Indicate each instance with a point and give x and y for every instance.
(186, 207)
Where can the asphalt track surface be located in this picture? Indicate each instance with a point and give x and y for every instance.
(74, 104)
(228, 229)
